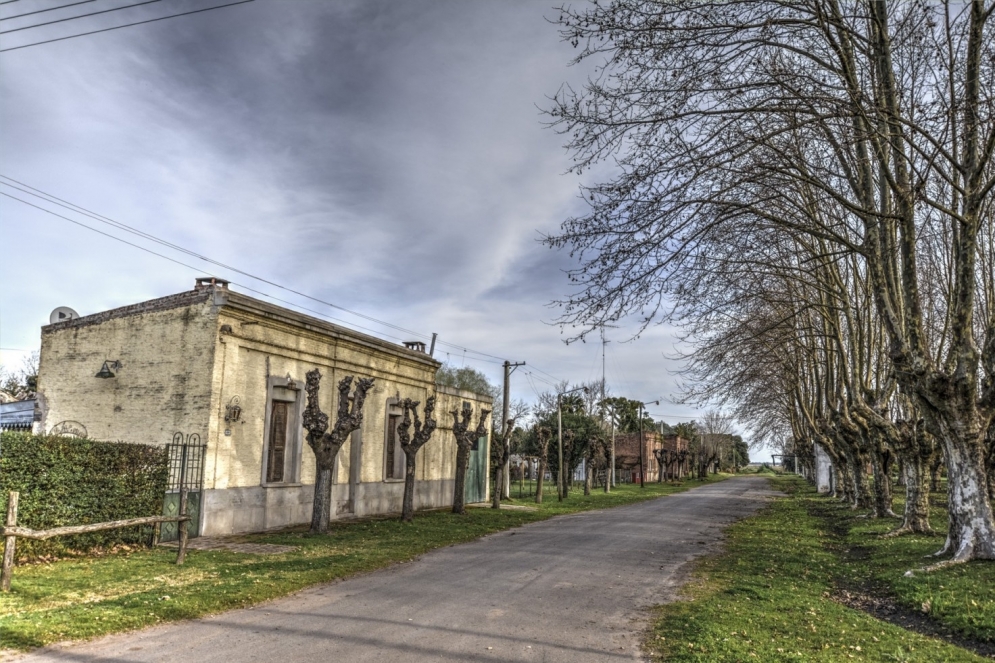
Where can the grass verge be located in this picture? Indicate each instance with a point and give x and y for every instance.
(773, 595)
(86, 598)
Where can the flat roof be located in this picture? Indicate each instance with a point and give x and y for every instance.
(222, 296)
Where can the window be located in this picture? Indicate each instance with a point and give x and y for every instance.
(393, 453)
(283, 432)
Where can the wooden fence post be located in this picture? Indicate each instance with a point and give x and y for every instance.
(9, 542)
(182, 528)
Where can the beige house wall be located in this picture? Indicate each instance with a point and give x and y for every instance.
(164, 383)
(182, 365)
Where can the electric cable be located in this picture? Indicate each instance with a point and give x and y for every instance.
(42, 11)
(494, 360)
(126, 25)
(73, 18)
(51, 198)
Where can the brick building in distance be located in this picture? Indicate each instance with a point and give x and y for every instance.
(627, 455)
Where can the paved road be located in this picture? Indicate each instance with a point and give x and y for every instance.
(572, 589)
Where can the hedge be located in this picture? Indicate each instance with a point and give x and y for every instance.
(73, 481)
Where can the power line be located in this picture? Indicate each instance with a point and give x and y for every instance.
(493, 359)
(199, 270)
(162, 242)
(126, 25)
(536, 368)
(42, 11)
(73, 18)
(53, 199)
(78, 209)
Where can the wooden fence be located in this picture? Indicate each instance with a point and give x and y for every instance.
(11, 531)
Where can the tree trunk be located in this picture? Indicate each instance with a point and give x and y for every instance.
(861, 492)
(883, 499)
(846, 483)
(459, 486)
(935, 472)
(588, 478)
(971, 533)
(322, 501)
(408, 505)
(539, 477)
(498, 486)
(916, 476)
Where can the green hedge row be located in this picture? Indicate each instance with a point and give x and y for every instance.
(71, 481)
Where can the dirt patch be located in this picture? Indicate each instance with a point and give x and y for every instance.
(887, 610)
(875, 600)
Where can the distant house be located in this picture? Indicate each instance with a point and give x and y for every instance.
(17, 415)
(628, 456)
(219, 377)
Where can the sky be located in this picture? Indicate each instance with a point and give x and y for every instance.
(386, 157)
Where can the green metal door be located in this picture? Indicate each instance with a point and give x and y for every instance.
(186, 471)
(476, 474)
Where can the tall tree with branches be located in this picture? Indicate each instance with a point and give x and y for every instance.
(465, 437)
(411, 445)
(866, 126)
(326, 445)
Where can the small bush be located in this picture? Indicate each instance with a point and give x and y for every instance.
(70, 481)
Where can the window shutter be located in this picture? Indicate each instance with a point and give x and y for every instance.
(277, 442)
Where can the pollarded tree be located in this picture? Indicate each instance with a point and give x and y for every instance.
(465, 437)
(326, 445)
(411, 445)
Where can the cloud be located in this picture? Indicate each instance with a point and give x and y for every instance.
(385, 156)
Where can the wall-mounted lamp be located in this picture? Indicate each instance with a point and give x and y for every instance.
(233, 411)
(107, 370)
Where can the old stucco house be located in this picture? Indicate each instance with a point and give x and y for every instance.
(223, 374)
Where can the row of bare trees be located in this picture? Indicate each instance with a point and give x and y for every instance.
(326, 444)
(807, 189)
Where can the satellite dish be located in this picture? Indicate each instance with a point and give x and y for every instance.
(61, 314)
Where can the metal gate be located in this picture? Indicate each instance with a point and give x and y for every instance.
(186, 470)
(476, 473)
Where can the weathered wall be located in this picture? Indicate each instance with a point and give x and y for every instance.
(257, 342)
(166, 352)
(186, 356)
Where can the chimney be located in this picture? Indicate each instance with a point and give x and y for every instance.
(209, 282)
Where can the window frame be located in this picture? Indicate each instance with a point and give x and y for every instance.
(295, 431)
(393, 409)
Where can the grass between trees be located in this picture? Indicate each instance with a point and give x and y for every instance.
(781, 590)
(89, 597)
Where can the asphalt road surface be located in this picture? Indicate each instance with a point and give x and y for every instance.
(574, 588)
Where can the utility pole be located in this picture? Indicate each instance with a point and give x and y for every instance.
(505, 488)
(642, 449)
(560, 484)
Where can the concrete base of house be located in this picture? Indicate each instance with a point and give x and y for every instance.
(259, 508)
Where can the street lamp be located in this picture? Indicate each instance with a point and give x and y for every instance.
(642, 443)
(559, 436)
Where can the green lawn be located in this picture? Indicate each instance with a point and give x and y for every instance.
(85, 598)
(769, 597)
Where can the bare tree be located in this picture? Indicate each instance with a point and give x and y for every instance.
(411, 445)
(326, 445)
(465, 437)
(863, 131)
